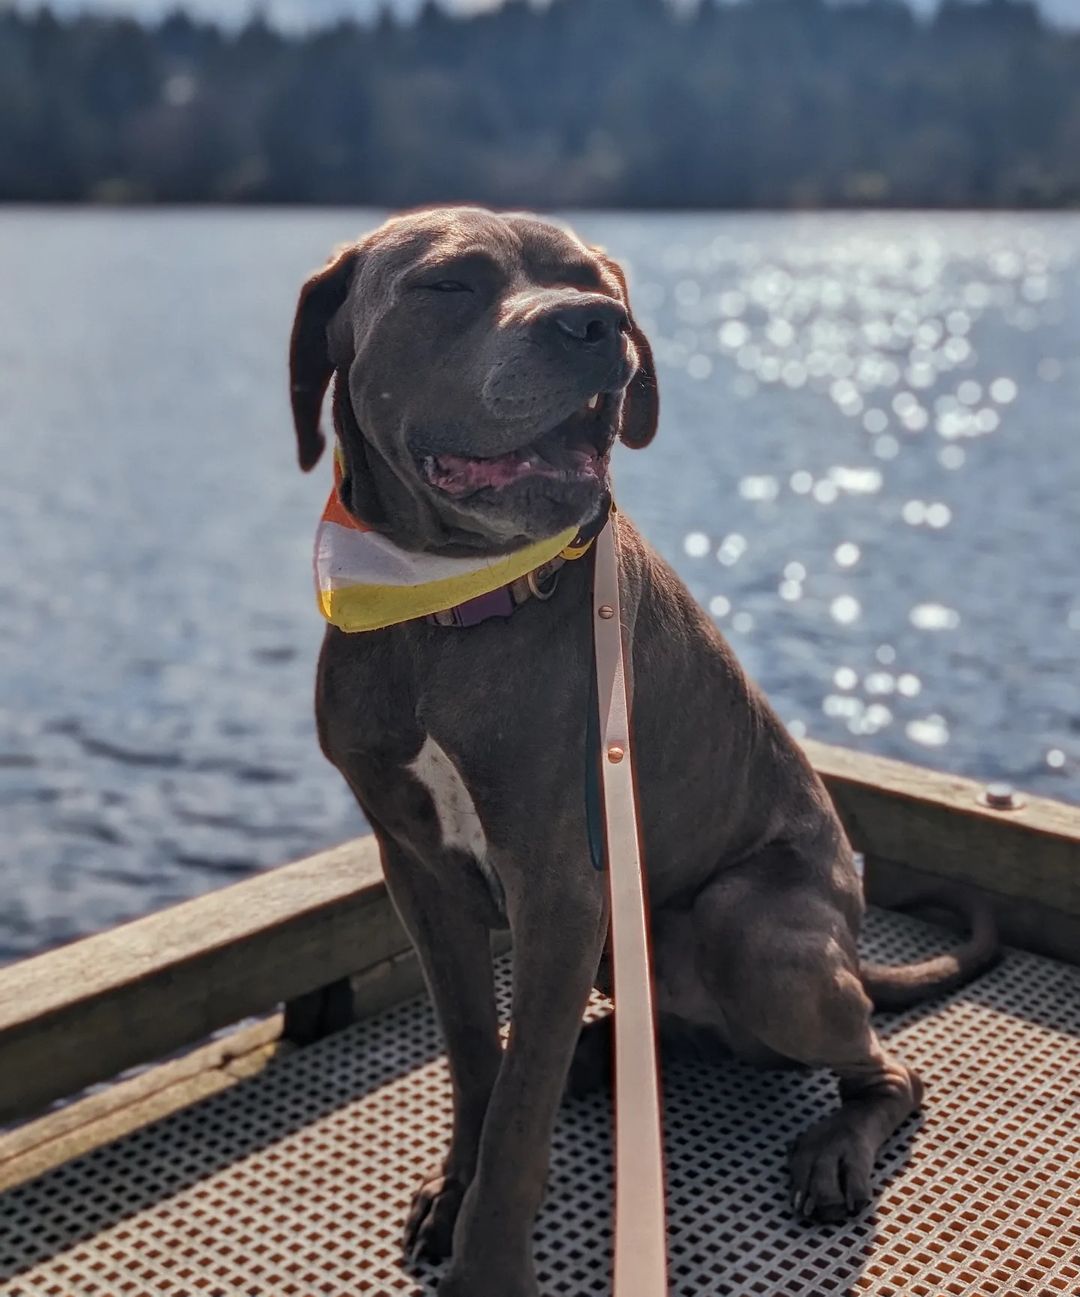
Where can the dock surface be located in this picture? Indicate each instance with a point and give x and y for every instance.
(296, 1181)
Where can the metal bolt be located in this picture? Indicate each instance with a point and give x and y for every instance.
(1001, 797)
(615, 753)
(605, 610)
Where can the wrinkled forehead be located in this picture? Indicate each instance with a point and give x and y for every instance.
(520, 245)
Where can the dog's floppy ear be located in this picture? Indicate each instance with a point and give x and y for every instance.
(641, 404)
(310, 366)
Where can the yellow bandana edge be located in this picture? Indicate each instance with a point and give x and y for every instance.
(375, 607)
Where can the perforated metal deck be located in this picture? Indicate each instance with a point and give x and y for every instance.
(296, 1182)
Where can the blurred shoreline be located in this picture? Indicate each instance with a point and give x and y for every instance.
(637, 105)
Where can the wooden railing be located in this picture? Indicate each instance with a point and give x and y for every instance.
(299, 935)
(86, 1011)
(918, 827)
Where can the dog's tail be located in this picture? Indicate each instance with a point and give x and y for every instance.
(898, 986)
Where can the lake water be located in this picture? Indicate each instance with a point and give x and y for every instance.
(868, 468)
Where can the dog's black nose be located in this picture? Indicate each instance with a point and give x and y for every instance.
(594, 323)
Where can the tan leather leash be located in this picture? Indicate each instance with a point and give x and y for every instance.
(640, 1223)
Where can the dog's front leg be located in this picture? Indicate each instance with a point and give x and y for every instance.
(454, 949)
(558, 919)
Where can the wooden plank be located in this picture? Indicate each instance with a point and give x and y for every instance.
(934, 822)
(85, 1012)
(37, 1146)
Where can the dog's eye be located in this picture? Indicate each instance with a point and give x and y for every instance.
(448, 286)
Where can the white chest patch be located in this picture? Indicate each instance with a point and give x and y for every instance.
(455, 810)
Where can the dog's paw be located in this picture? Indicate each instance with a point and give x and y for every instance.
(429, 1231)
(830, 1172)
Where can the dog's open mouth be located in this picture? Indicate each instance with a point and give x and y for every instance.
(574, 451)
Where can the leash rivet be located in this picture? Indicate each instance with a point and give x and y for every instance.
(615, 753)
(605, 610)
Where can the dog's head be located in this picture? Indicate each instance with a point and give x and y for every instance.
(485, 365)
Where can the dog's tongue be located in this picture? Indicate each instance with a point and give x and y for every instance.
(460, 474)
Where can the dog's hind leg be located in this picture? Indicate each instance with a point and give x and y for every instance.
(454, 950)
(779, 956)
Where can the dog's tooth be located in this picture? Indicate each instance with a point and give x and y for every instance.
(593, 402)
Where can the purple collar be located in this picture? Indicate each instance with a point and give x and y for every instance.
(537, 584)
(496, 603)
(504, 601)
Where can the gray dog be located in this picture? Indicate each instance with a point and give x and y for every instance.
(485, 365)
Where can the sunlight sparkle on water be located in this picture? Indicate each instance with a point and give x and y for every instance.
(931, 731)
(886, 333)
(733, 335)
(845, 609)
(856, 481)
(759, 488)
(732, 548)
(957, 350)
(934, 616)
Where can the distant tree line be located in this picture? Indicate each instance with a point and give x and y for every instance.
(767, 103)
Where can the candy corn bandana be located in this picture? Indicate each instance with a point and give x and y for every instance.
(365, 582)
